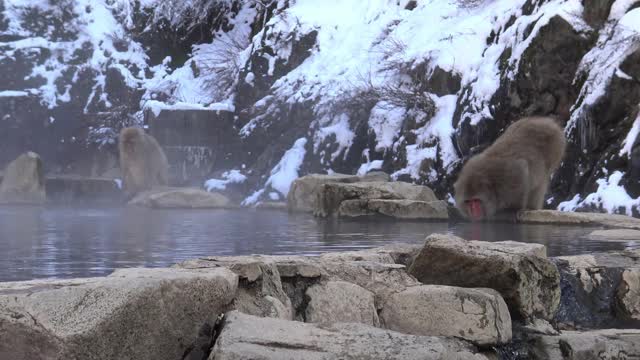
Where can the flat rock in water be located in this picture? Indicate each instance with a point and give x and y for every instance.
(520, 272)
(271, 205)
(615, 235)
(23, 181)
(595, 344)
(477, 315)
(245, 337)
(331, 195)
(575, 218)
(181, 198)
(400, 209)
(141, 314)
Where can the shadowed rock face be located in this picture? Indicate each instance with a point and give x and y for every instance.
(23, 181)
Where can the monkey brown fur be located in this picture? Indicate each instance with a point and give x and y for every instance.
(142, 161)
(513, 173)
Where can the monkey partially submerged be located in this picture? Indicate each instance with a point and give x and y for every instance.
(514, 172)
(142, 162)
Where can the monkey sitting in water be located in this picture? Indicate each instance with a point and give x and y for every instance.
(142, 162)
(514, 172)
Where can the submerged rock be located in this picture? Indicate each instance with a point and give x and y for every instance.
(615, 235)
(247, 337)
(131, 314)
(400, 209)
(332, 195)
(188, 198)
(521, 273)
(578, 218)
(23, 181)
(477, 315)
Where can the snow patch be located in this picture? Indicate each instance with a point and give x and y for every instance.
(228, 177)
(610, 196)
(284, 173)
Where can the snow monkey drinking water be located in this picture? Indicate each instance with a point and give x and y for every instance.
(142, 162)
(514, 172)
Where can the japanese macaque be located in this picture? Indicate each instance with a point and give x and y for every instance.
(514, 172)
(142, 162)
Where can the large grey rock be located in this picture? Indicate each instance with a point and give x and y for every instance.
(23, 181)
(331, 195)
(245, 337)
(260, 291)
(401, 209)
(388, 254)
(599, 290)
(477, 315)
(303, 192)
(340, 301)
(528, 281)
(610, 344)
(381, 279)
(188, 198)
(131, 314)
(577, 218)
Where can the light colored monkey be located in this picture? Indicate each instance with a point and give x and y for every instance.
(142, 162)
(513, 173)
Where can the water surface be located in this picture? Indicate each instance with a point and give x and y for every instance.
(67, 242)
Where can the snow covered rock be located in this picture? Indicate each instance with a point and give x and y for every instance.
(477, 315)
(131, 314)
(23, 181)
(521, 273)
(245, 337)
(186, 198)
(331, 195)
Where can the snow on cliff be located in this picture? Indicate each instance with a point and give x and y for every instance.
(373, 53)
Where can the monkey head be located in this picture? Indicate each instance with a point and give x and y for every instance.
(131, 137)
(475, 191)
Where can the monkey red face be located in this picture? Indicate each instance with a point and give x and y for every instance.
(474, 209)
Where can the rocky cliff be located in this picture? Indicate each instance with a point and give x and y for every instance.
(409, 87)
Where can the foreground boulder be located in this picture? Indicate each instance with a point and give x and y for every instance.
(23, 181)
(331, 195)
(131, 314)
(611, 344)
(400, 209)
(340, 301)
(521, 273)
(247, 337)
(303, 193)
(577, 218)
(186, 198)
(600, 290)
(477, 315)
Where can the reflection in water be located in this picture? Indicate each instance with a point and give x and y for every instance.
(75, 242)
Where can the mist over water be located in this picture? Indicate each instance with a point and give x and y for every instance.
(68, 242)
